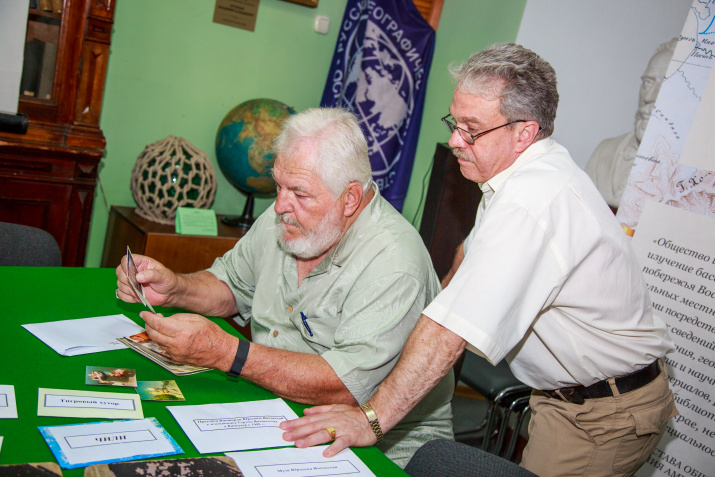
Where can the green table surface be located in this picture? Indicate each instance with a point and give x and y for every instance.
(37, 295)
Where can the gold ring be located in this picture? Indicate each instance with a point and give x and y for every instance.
(331, 431)
(116, 293)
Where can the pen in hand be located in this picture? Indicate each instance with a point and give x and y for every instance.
(305, 322)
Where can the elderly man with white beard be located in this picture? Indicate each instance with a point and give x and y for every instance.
(332, 278)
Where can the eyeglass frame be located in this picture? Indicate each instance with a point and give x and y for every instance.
(473, 137)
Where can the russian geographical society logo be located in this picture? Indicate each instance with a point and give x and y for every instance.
(377, 82)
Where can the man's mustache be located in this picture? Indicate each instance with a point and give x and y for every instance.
(289, 220)
(460, 154)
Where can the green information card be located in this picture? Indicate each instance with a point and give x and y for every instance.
(190, 221)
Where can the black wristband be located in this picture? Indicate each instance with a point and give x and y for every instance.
(240, 360)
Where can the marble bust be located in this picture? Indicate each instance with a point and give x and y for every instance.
(612, 160)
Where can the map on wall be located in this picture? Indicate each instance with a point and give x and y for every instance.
(662, 171)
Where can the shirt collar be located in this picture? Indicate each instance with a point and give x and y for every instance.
(495, 183)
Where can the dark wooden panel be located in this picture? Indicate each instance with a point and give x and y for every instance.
(187, 253)
(30, 212)
(120, 234)
(102, 9)
(80, 213)
(95, 57)
(181, 253)
(450, 209)
(38, 204)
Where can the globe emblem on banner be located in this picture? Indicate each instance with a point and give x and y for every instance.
(380, 90)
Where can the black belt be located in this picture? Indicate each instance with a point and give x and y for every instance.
(624, 384)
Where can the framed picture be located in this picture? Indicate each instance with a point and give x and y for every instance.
(305, 3)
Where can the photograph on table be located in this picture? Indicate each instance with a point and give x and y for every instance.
(160, 391)
(98, 375)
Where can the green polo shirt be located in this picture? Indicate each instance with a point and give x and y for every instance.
(360, 305)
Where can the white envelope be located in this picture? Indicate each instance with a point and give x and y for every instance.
(85, 335)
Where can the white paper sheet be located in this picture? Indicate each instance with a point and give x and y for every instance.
(8, 407)
(234, 426)
(80, 445)
(88, 404)
(294, 462)
(85, 335)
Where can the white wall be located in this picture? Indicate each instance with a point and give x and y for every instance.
(13, 23)
(599, 51)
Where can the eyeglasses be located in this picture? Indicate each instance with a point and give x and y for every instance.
(468, 137)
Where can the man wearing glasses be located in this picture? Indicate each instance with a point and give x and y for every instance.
(546, 280)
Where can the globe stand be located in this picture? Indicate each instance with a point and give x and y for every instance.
(245, 220)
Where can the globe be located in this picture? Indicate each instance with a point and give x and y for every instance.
(244, 142)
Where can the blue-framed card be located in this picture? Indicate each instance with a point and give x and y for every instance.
(80, 445)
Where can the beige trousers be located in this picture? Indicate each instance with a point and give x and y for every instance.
(609, 436)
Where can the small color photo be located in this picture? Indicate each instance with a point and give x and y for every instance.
(159, 391)
(104, 376)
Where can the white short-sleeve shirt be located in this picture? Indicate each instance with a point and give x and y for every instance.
(549, 280)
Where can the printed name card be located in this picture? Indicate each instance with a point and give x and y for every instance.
(234, 426)
(87, 404)
(190, 221)
(293, 462)
(80, 445)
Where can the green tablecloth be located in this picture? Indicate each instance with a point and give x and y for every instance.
(36, 295)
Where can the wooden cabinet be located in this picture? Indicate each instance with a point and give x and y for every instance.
(181, 253)
(48, 175)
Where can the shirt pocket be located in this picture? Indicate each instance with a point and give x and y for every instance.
(316, 330)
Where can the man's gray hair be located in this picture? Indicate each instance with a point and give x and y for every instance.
(336, 143)
(523, 81)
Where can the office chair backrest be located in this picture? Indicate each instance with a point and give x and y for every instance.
(454, 459)
(24, 246)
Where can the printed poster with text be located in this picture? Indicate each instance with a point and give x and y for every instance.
(676, 250)
(670, 166)
(669, 210)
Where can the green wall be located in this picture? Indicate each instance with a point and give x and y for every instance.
(172, 71)
(466, 26)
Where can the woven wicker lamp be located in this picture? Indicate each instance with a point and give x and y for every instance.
(169, 174)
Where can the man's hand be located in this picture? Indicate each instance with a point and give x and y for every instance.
(192, 339)
(350, 423)
(159, 282)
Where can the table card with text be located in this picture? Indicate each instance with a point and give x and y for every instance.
(80, 445)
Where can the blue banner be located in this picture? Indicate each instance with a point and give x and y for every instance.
(379, 72)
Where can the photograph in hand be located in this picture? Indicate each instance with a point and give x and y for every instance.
(132, 278)
(142, 344)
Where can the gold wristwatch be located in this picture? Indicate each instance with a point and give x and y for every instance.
(372, 418)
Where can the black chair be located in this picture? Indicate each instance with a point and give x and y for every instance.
(444, 458)
(24, 246)
(508, 434)
(508, 400)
